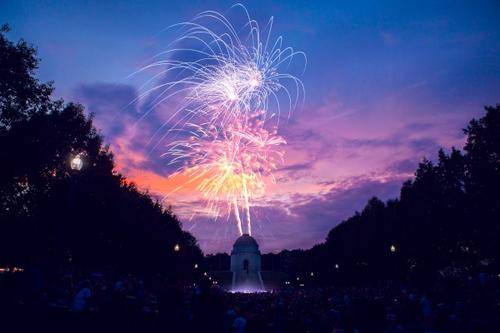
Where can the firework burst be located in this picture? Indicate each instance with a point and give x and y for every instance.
(232, 91)
(229, 163)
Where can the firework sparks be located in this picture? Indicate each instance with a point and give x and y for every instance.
(229, 163)
(231, 92)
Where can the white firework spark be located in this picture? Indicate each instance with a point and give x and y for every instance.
(231, 83)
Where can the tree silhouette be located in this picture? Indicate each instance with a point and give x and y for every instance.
(92, 218)
(482, 179)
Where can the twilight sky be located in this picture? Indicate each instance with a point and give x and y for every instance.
(387, 83)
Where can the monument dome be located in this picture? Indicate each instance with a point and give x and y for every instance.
(245, 243)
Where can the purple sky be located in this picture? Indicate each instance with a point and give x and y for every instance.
(387, 83)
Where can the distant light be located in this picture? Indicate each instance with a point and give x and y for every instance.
(205, 273)
(195, 266)
(76, 163)
(312, 273)
(11, 270)
(298, 278)
(301, 284)
(287, 282)
(337, 266)
(177, 248)
(393, 248)
(210, 278)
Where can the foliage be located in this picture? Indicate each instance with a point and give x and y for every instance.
(52, 214)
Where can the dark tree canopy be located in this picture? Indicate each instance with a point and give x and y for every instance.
(51, 213)
(21, 94)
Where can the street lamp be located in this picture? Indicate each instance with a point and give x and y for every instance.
(76, 163)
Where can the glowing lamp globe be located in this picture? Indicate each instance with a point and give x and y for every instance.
(76, 163)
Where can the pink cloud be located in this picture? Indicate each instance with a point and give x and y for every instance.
(337, 157)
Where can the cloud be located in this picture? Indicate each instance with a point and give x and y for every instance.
(295, 167)
(108, 102)
(336, 158)
(279, 225)
(403, 166)
(118, 117)
(333, 165)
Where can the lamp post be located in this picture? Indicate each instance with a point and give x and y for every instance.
(75, 164)
(394, 261)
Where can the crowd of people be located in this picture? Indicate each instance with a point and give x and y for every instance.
(126, 303)
(464, 307)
